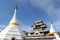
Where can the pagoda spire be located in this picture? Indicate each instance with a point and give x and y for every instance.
(13, 21)
(52, 31)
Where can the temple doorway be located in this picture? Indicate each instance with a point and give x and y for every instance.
(13, 39)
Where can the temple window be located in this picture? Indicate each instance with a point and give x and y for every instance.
(36, 33)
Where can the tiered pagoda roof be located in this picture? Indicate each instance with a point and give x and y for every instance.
(39, 31)
(40, 26)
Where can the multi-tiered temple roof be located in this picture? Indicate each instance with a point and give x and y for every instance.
(39, 31)
(40, 27)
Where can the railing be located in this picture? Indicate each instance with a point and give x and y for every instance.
(34, 36)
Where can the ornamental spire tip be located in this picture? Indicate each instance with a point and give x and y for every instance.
(16, 7)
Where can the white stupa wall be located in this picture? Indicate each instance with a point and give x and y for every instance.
(52, 29)
(12, 30)
(54, 32)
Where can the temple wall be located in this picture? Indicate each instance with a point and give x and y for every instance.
(39, 39)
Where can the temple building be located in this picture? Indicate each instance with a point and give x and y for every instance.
(39, 28)
(40, 32)
(12, 31)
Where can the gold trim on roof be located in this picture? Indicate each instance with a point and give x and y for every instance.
(52, 32)
(14, 23)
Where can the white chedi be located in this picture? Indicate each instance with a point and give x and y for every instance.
(52, 31)
(12, 30)
(57, 36)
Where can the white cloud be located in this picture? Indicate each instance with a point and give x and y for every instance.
(56, 25)
(2, 27)
(51, 8)
(48, 6)
(24, 27)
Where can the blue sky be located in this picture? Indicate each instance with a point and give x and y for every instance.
(29, 11)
